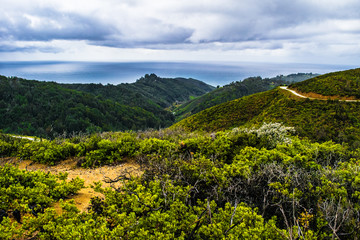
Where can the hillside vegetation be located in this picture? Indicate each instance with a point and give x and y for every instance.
(236, 90)
(341, 84)
(315, 119)
(48, 109)
(243, 183)
(149, 91)
(232, 171)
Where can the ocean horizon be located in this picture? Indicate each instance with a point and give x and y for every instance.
(128, 72)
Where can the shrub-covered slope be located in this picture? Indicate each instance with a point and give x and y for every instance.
(237, 90)
(316, 119)
(342, 84)
(258, 183)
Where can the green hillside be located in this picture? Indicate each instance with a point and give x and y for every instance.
(237, 90)
(342, 84)
(256, 179)
(48, 109)
(315, 119)
(148, 92)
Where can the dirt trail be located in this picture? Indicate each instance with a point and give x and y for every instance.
(314, 96)
(82, 199)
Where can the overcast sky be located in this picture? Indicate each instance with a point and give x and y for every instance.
(310, 31)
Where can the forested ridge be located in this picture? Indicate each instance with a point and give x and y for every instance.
(148, 90)
(48, 109)
(236, 90)
(266, 166)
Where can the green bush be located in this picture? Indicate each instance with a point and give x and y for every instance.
(19, 188)
(47, 152)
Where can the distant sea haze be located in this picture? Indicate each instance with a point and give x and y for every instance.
(128, 72)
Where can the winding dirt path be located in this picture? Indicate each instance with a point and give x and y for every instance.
(314, 98)
(82, 198)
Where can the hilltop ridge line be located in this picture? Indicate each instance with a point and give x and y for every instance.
(312, 98)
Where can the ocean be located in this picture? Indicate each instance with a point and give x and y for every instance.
(127, 72)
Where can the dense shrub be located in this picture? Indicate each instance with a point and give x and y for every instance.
(258, 182)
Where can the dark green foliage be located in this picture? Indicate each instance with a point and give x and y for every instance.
(315, 119)
(49, 109)
(151, 93)
(237, 90)
(343, 84)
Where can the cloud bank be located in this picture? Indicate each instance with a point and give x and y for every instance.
(289, 30)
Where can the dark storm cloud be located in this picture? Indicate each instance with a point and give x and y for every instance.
(187, 24)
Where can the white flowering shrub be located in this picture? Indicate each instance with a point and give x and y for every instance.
(274, 133)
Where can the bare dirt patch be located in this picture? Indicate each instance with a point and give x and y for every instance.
(82, 199)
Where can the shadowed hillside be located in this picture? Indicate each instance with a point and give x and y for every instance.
(48, 109)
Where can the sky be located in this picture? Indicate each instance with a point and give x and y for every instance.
(306, 31)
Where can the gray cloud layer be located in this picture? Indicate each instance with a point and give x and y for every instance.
(187, 24)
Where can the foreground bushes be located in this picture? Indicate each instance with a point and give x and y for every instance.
(250, 183)
(96, 150)
(151, 210)
(25, 194)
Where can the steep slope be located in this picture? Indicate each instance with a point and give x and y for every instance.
(315, 119)
(47, 109)
(341, 85)
(237, 90)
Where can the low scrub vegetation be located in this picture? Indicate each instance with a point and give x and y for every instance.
(342, 84)
(263, 183)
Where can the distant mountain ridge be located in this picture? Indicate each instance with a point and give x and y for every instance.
(151, 93)
(237, 90)
(150, 88)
